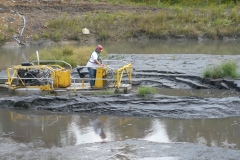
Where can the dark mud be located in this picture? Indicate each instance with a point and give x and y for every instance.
(120, 150)
(179, 70)
(130, 105)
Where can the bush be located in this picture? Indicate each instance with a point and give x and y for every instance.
(142, 91)
(35, 37)
(230, 69)
(45, 35)
(226, 69)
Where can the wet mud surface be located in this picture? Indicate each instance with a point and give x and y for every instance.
(129, 149)
(131, 105)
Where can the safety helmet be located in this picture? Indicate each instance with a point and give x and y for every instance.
(99, 47)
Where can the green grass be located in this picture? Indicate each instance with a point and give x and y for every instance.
(35, 37)
(143, 91)
(70, 54)
(168, 22)
(168, 2)
(226, 69)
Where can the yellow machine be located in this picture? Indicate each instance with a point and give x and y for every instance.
(52, 77)
(44, 77)
(101, 76)
(61, 77)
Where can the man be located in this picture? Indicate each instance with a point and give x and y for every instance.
(94, 62)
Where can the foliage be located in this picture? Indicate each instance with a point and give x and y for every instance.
(45, 35)
(171, 2)
(35, 37)
(70, 54)
(214, 22)
(11, 30)
(226, 69)
(230, 69)
(143, 91)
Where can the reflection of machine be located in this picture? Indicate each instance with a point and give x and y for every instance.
(48, 119)
(55, 77)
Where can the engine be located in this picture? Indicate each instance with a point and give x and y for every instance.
(32, 77)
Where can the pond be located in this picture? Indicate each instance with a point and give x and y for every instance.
(45, 129)
(17, 55)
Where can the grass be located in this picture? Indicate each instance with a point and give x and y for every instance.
(214, 22)
(70, 54)
(167, 2)
(35, 37)
(226, 69)
(143, 91)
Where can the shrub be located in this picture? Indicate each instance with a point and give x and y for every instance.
(35, 37)
(226, 69)
(142, 91)
(230, 69)
(45, 35)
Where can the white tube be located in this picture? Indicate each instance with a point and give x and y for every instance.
(37, 57)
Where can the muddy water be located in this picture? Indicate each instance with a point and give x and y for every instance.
(43, 129)
(13, 55)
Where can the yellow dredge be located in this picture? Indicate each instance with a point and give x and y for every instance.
(46, 77)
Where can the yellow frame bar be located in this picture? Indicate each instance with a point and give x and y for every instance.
(119, 74)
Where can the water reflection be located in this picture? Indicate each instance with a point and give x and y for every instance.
(174, 47)
(47, 130)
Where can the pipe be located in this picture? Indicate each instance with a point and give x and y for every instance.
(37, 57)
(24, 25)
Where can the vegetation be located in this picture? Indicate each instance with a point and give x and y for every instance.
(143, 91)
(70, 54)
(170, 2)
(174, 21)
(226, 69)
(3, 37)
(35, 37)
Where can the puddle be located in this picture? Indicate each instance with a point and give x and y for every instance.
(42, 129)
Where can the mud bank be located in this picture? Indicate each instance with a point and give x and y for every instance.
(129, 149)
(130, 105)
(178, 70)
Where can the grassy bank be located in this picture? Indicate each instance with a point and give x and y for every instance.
(173, 22)
(70, 54)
